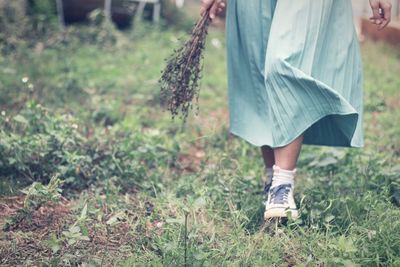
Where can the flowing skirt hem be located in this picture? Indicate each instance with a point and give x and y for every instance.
(307, 141)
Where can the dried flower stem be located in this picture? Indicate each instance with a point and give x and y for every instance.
(180, 78)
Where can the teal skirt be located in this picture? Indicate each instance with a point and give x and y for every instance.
(294, 67)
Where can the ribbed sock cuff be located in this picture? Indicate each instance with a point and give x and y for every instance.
(282, 176)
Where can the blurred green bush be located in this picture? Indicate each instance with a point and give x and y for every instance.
(46, 8)
(36, 145)
(25, 23)
(175, 17)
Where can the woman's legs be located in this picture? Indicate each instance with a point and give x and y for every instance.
(269, 161)
(281, 184)
(285, 157)
(268, 156)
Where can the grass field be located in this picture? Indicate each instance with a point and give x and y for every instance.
(139, 189)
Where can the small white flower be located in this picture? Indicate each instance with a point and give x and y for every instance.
(75, 126)
(3, 113)
(25, 79)
(216, 43)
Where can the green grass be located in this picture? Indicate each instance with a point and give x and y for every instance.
(154, 172)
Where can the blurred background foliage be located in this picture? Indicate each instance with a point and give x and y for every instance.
(25, 22)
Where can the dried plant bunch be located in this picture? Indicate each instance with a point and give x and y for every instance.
(180, 78)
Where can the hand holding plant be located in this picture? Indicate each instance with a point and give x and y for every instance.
(381, 12)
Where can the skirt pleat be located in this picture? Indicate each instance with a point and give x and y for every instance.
(294, 67)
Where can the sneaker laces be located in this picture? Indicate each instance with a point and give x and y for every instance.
(280, 193)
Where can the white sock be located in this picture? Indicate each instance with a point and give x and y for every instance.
(282, 176)
(269, 173)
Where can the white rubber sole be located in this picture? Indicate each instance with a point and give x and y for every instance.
(280, 213)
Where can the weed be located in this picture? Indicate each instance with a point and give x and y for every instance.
(36, 195)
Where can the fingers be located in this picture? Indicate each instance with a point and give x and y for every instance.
(381, 13)
(221, 7)
(376, 16)
(387, 14)
(205, 5)
(213, 10)
(203, 10)
(215, 6)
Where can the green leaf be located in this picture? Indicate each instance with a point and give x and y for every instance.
(53, 243)
(21, 119)
(84, 212)
(84, 230)
(329, 218)
(326, 162)
(71, 241)
(112, 220)
(346, 244)
(199, 203)
(349, 263)
(74, 229)
(175, 220)
(116, 218)
(200, 255)
(84, 238)
(55, 248)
